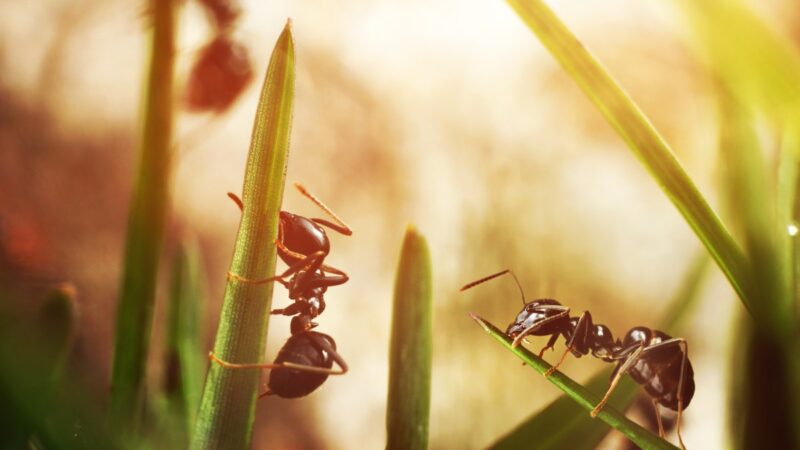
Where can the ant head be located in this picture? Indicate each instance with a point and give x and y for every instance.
(533, 313)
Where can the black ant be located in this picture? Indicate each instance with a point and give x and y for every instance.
(303, 363)
(655, 360)
(303, 245)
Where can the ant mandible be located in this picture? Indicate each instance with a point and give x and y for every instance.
(303, 363)
(655, 360)
(303, 245)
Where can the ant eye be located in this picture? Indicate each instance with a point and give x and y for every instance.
(530, 308)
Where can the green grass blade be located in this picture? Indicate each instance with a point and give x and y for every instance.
(145, 225)
(227, 408)
(761, 67)
(643, 139)
(563, 423)
(753, 198)
(411, 348)
(185, 358)
(579, 394)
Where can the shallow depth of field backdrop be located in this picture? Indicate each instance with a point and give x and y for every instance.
(447, 114)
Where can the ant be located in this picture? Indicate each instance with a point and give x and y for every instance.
(303, 363)
(303, 245)
(655, 360)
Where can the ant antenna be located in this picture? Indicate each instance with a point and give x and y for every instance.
(490, 277)
(346, 229)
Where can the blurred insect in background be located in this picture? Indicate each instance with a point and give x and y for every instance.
(222, 68)
(655, 360)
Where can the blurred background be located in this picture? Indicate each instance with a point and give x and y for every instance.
(449, 115)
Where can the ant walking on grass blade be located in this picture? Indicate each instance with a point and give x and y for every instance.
(655, 360)
(306, 359)
(303, 245)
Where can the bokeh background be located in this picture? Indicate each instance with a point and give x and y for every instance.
(449, 115)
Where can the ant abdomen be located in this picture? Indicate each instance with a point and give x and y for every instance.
(301, 349)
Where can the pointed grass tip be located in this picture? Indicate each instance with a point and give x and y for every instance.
(480, 321)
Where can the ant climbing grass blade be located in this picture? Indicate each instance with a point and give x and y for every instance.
(646, 143)
(227, 408)
(411, 348)
(579, 394)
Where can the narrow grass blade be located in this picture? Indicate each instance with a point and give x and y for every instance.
(762, 410)
(227, 408)
(145, 225)
(752, 198)
(579, 394)
(185, 359)
(563, 423)
(411, 348)
(758, 65)
(643, 139)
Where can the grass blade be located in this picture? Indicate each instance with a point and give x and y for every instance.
(227, 408)
(563, 423)
(579, 394)
(761, 67)
(145, 226)
(411, 348)
(643, 139)
(184, 353)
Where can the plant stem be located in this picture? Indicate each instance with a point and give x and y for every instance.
(145, 226)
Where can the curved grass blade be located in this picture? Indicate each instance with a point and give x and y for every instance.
(145, 227)
(227, 408)
(759, 66)
(411, 348)
(643, 139)
(579, 394)
(563, 423)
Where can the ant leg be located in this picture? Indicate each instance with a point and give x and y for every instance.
(340, 226)
(493, 276)
(549, 345)
(577, 341)
(621, 369)
(333, 354)
(684, 346)
(331, 269)
(313, 260)
(286, 365)
(236, 200)
(661, 432)
(531, 329)
(290, 310)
